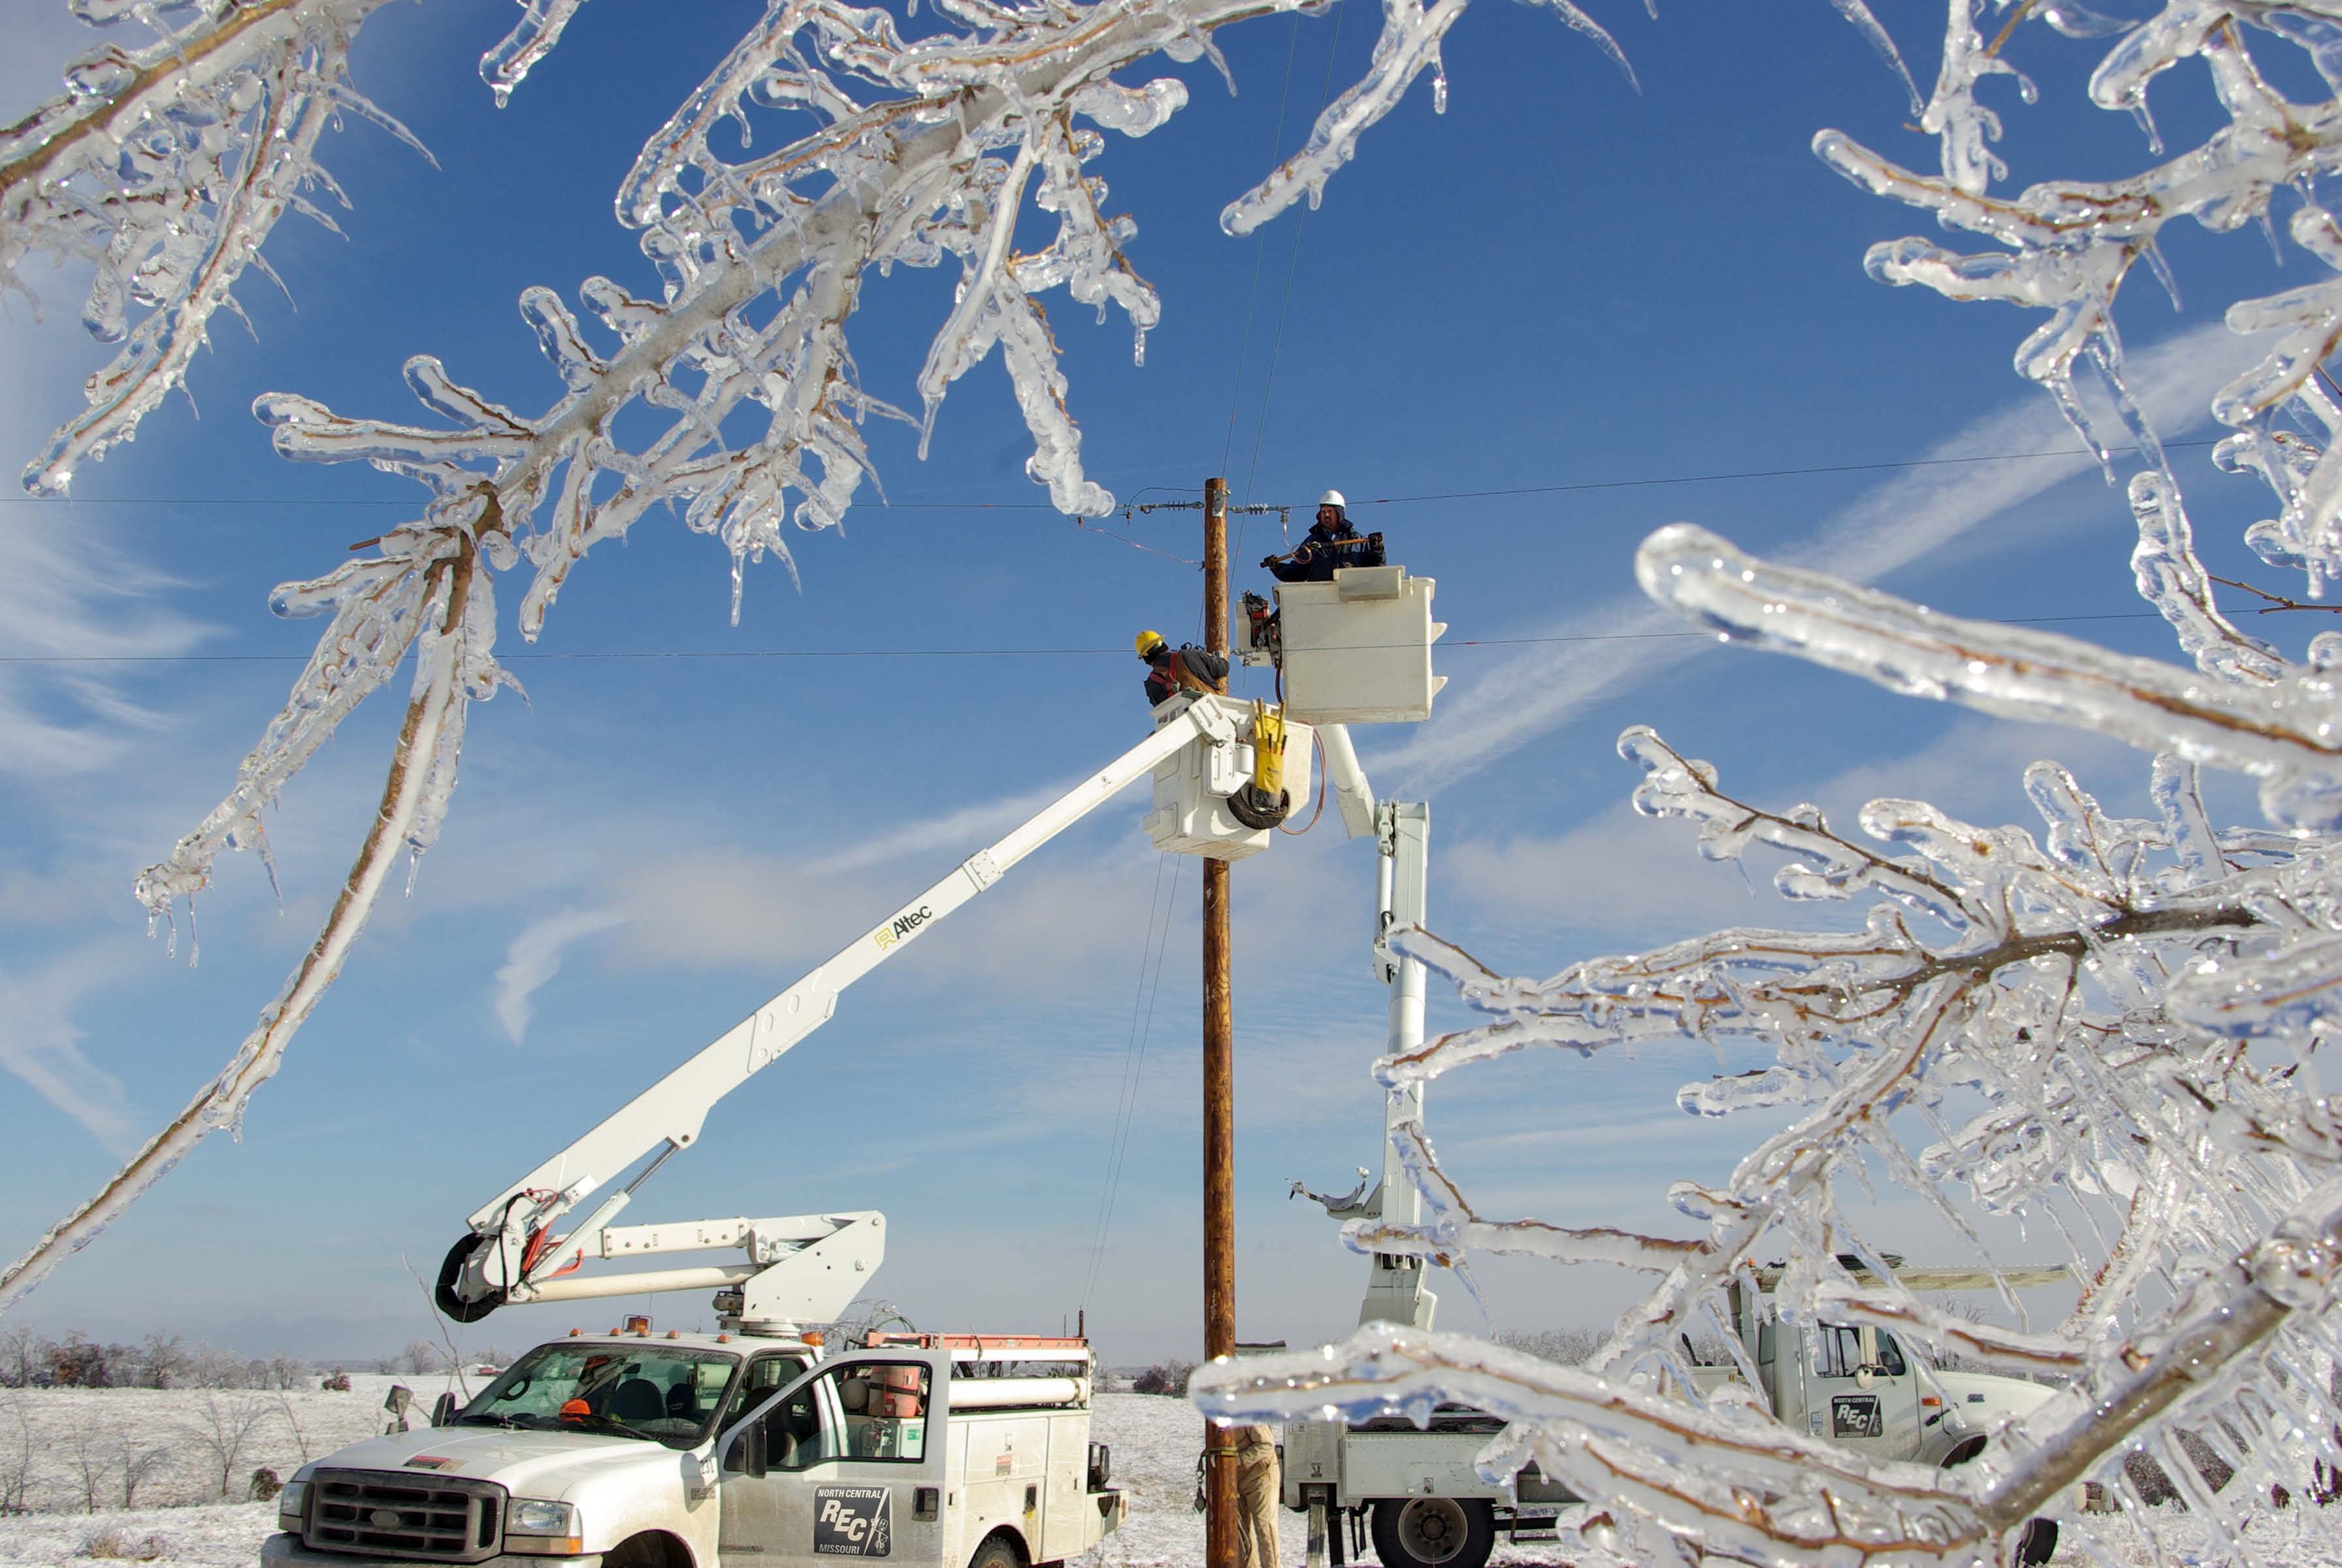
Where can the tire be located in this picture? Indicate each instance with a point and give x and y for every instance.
(2037, 1544)
(996, 1552)
(1434, 1532)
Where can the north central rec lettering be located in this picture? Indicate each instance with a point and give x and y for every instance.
(854, 1521)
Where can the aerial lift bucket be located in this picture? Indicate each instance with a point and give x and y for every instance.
(1354, 650)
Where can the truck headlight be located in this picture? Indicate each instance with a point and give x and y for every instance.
(547, 1529)
(293, 1507)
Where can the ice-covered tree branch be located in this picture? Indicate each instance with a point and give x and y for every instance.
(2110, 1026)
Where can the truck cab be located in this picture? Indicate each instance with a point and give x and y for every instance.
(1855, 1387)
(695, 1451)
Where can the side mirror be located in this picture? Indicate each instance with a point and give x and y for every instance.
(1865, 1375)
(747, 1454)
(442, 1411)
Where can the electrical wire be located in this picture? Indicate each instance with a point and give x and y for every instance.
(959, 653)
(1292, 266)
(1259, 248)
(1123, 1090)
(1575, 486)
(1127, 1108)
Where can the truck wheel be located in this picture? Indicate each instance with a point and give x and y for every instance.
(1434, 1532)
(651, 1550)
(2037, 1544)
(996, 1552)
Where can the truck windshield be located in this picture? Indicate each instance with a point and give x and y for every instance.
(661, 1394)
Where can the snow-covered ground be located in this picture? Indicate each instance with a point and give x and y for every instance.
(1155, 1441)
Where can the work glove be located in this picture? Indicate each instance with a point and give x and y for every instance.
(1268, 560)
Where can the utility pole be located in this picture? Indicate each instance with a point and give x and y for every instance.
(1220, 1539)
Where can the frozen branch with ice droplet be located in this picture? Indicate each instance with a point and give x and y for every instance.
(165, 168)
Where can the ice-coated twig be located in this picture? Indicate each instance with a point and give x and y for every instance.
(165, 167)
(2288, 734)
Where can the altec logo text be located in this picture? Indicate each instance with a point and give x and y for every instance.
(901, 925)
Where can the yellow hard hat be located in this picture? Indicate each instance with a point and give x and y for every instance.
(1147, 643)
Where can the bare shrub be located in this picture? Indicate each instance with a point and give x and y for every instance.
(136, 1462)
(286, 1408)
(1164, 1377)
(87, 1447)
(336, 1382)
(115, 1542)
(16, 1456)
(223, 1427)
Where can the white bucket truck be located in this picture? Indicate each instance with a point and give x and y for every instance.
(640, 1451)
(746, 1448)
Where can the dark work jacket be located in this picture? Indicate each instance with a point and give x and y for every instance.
(1207, 666)
(1323, 550)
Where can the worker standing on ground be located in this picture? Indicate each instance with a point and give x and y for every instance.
(1257, 1485)
(1169, 669)
(1331, 542)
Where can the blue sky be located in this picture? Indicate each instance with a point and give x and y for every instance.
(1519, 335)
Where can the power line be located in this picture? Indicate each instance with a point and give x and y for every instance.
(1292, 269)
(1368, 501)
(1260, 246)
(1765, 473)
(1120, 653)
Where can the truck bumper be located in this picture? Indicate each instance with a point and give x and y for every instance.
(282, 1551)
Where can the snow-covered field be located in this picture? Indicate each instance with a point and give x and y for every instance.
(1155, 1442)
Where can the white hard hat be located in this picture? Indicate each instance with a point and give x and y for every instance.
(1333, 498)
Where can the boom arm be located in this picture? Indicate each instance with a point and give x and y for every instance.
(510, 1251)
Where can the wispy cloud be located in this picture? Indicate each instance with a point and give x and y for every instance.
(40, 1044)
(534, 957)
(1899, 522)
(1638, 879)
(958, 831)
(71, 603)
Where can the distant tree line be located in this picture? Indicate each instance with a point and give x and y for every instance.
(29, 1359)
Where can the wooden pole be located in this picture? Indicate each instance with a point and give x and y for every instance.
(1220, 1500)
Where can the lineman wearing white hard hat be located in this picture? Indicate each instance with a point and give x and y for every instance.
(1331, 542)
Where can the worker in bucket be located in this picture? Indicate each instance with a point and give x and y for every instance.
(1169, 669)
(1331, 542)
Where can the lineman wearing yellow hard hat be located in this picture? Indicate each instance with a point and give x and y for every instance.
(1169, 668)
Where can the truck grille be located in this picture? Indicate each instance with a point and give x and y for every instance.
(402, 1514)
